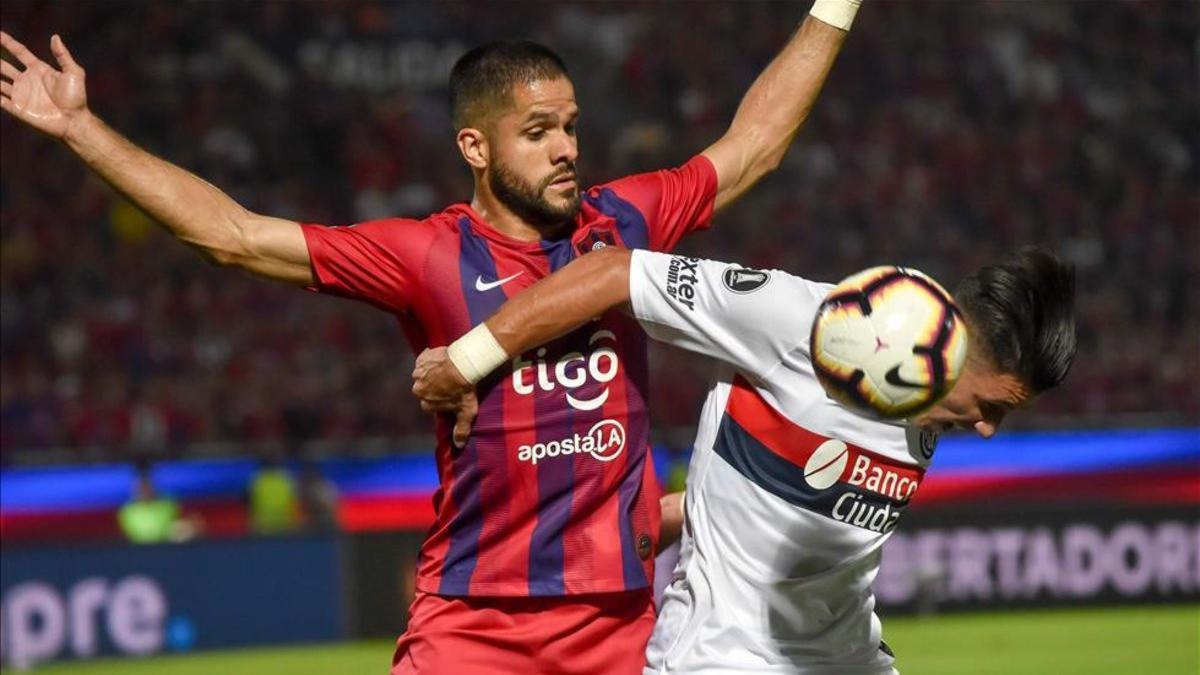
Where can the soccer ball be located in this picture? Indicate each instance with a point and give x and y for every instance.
(888, 342)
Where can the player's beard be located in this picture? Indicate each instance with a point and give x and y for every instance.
(529, 201)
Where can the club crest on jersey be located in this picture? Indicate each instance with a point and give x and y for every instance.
(744, 280)
(595, 240)
(929, 439)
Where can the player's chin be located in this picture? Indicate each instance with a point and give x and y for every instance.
(564, 203)
(562, 195)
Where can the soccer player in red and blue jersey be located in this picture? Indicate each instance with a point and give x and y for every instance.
(547, 519)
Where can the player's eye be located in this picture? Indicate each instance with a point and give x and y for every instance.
(535, 134)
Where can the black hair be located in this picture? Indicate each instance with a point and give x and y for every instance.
(1023, 310)
(483, 77)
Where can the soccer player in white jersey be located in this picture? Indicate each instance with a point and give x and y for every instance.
(778, 555)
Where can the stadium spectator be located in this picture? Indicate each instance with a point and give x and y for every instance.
(318, 498)
(274, 502)
(148, 517)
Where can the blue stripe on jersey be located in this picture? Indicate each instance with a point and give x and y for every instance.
(631, 223)
(556, 484)
(559, 252)
(556, 480)
(474, 260)
(636, 444)
(770, 471)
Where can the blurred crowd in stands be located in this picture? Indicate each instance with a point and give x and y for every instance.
(949, 133)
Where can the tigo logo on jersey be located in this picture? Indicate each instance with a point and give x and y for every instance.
(604, 442)
(571, 370)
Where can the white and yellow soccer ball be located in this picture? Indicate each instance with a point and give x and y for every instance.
(888, 342)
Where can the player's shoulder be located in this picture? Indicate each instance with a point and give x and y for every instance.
(411, 227)
(698, 167)
(742, 279)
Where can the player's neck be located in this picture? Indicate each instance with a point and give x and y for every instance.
(510, 223)
(504, 220)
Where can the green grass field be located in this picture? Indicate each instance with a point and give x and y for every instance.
(1140, 640)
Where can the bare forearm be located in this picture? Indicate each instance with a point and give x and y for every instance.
(774, 109)
(781, 98)
(189, 207)
(582, 290)
(54, 102)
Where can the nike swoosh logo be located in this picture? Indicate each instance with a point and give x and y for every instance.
(481, 285)
(893, 378)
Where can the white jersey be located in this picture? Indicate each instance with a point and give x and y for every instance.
(790, 496)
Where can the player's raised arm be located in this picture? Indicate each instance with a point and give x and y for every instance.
(54, 101)
(776, 105)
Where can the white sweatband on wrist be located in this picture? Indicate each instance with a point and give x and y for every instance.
(836, 13)
(476, 353)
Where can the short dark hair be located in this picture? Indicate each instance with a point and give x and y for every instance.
(1023, 310)
(482, 79)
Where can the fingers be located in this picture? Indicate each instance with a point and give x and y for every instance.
(462, 431)
(59, 49)
(8, 70)
(465, 419)
(18, 50)
(435, 397)
(5, 88)
(440, 406)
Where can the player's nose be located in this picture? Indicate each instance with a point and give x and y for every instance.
(565, 150)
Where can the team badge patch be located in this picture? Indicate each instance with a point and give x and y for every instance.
(743, 280)
(595, 240)
(921, 443)
(929, 441)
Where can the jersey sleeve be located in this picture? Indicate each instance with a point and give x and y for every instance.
(748, 318)
(370, 261)
(673, 202)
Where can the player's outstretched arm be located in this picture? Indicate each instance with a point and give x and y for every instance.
(776, 105)
(54, 101)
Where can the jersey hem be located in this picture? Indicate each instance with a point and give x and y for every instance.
(521, 589)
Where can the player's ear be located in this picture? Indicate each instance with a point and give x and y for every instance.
(472, 143)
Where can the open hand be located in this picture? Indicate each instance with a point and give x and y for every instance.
(39, 95)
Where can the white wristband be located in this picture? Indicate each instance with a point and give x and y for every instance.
(836, 13)
(476, 353)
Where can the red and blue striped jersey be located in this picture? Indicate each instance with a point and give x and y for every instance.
(554, 493)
